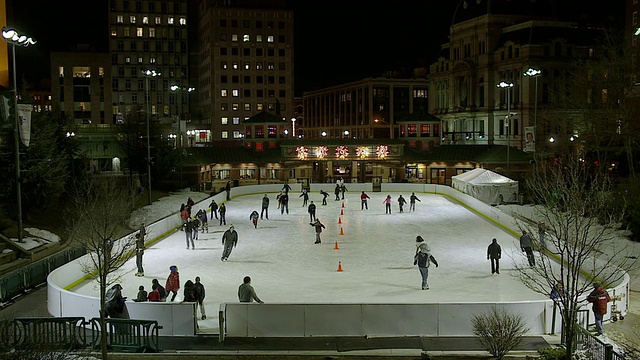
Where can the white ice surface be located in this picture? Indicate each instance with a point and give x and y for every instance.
(376, 253)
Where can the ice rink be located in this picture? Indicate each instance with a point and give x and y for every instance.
(376, 253)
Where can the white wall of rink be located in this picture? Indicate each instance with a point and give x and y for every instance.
(301, 320)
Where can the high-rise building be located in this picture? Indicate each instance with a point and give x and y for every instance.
(245, 64)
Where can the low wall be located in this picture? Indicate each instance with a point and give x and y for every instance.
(300, 320)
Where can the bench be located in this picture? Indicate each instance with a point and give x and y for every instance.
(127, 335)
(63, 333)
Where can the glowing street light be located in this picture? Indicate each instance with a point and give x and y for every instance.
(508, 86)
(534, 73)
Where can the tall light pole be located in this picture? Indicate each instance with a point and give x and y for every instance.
(176, 89)
(534, 73)
(12, 37)
(148, 73)
(507, 86)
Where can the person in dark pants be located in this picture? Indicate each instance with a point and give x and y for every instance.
(305, 197)
(200, 294)
(337, 192)
(312, 211)
(227, 188)
(494, 252)
(222, 210)
(229, 240)
(324, 197)
(343, 189)
(284, 203)
(114, 302)
(265, 207)
(214, 209)
(363, 201)
(246, 293)
(527, 247)
(318, 227)
(140, 249)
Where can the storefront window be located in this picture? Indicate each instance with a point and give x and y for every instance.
(438, 176)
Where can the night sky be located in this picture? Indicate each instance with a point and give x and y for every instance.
(335, 41)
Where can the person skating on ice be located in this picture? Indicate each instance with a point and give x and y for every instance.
(204, 222)
(318, 227)
(196, 227)
(412, 201)
(200, 294)
(284, 206)
(254, 218)
(363, 201)
(173, 282)
(401, 202)
(324, 197)
(337, 192)
(227, 188)
(265, 207)
(188, 233)
(222, 210)
(229, 240)
(305, 197)
(494, 253)
(527, 247)
(312, 211)
(286, 188)
(343, 189)
(214, 209)
(387, 204)
(423, 259)
(140, 236)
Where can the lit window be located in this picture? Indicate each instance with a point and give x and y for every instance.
(132, 19)
(223, 65)
(225, 135)
(236, 134)
(235, 107)
(119, 19)
(126, 31)
(223, 92)
(235, 65)
(158, 21)
(225, 121)
(127, 60)
(145, 19)
(234, 37)
(139, 59)
(258, 66)
(114, 32)
(236, 120)
(152, 60)
(259, 106)
(247, 66)
(247, 107)
(183, 21)
(152, 32)
(270, 38)
(271, 66)
(258, 38)
(246, 38)
(170, 20)
(139, 32)
(235, 92)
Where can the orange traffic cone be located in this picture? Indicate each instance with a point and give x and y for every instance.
(339, 266)
(343, 204)
(341, 212)
(335, 247)
(341, 231)
(339, 220)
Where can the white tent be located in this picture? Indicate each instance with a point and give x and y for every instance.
(486, 186)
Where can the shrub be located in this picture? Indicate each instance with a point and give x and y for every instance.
(499, 331)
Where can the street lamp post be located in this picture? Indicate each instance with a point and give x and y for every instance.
(12, 37)
(507, 86)
(534, 73)
(148, 73)
(188, 89)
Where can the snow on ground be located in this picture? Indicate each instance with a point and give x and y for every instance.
(33, 238)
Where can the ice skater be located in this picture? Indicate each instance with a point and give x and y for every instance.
(412, 201)
(312, 211)
(254, 218)
(200, 293)
(527, 247)
(284, 203)
(188, 233)
(214, 209)
(401, 202)
(387, 204)
(305, 197)
(246, 293)
(265, 207)
(318, 226)
(423, 259)
(203, 220)
(337, 192)
(227, 188)
(184, 216)
(286, 188)
(140, 249)
(222, 210)
(343, 189)
(229, 240)
(494, 253)
(363, 201)
(173, 282)
(324, 196)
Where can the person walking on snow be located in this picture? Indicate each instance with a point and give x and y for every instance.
(229, 240)
(599, 298)
(423, 259)
(363, 201)
(222, 210)
(412, 202)
(324, 196)
(527, 247)
(541, 230)
(337, 192)
(214, 209)
(312, 211)
(254, 218)
(173, 282)
(305, 197)
(318, 226)
(494, 252)
(265, 207)
(387, 204)
(401, 202)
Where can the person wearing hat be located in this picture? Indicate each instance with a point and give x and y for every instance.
(229, 240)
(173, 282)
(423, 259)
(599, 298)
(319, 226)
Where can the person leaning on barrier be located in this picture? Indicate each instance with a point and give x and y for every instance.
(246, 293)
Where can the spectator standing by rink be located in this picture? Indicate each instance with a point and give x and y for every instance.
(189, 294)
(412, 201)
(527, 247)
(305, 197)
(387, 204)
(222, 210)
(246, 293)
(265, 207)
(599, 298)
(324, 196)
(401, 202)
(214, 209)
(200, 293)
(254, 218)
(423, 259)
(114, 302)
(312, 211)
(229, 240)
(363, 201)
(318, 227)
(173, 282)
(494, 252)
(337, 192)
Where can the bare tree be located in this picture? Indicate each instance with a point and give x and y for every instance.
(101, 210)
(499, 331)
(582, 240)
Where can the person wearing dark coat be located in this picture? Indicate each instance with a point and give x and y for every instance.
(214, 209)
(343, 189)
(189, 292)
(527, 247)
(254, 218)
(423, 259)
(412, 202)
(229, 240)
(401, 202)
(305, 197)
(494, 253)
(337, 192)
(222, 210)
(286, 188)
(312, 211)
(140, 236)
(200, 294)
(284, 203)
(324, 197)
(227, 188)
(114, 302)
(265, 207)
(188, 232)
(318, 226)
(142, 295)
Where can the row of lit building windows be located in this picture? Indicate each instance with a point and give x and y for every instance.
(247, 107)
(157, 20)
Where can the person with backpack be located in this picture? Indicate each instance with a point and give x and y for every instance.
(423, 259)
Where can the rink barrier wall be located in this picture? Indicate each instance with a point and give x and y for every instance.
(299, 320)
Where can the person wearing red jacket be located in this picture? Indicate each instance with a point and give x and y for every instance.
(173, 282)
(363, 201)
(599, 298)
